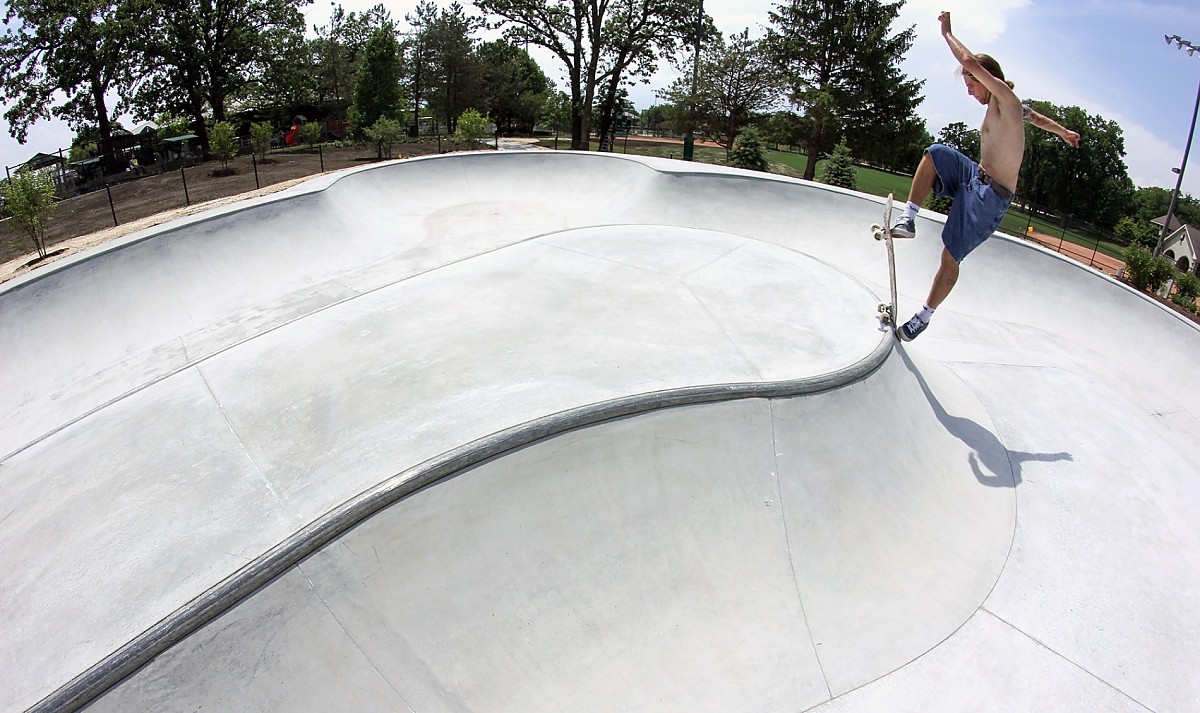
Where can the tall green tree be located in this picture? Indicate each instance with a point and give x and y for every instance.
(378, 93)
(597, 41)
(959, 136)
(1152, 202)
(337, 53)
(418, 52)
(840, 61)
(65, 58)
(514, 87)
(206, 53)
(637, 35)
(1091, 182)
(457, 79)
(736, 82)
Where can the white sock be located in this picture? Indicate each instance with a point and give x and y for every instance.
(925, 314)
(911, 210)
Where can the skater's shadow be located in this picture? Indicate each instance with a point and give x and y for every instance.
(993, 464)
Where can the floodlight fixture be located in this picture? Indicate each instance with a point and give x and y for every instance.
(1180, 43)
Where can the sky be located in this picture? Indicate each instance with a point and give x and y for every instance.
(1105, 56)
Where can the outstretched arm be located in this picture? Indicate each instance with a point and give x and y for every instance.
(1045, 123)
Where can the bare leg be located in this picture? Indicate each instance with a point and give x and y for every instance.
(922, 184)
(943, 281)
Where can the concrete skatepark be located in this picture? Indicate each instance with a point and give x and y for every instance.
(544, 431)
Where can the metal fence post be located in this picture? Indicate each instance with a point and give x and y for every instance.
(186, 200)
(113, 208)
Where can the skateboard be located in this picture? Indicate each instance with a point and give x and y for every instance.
(886, 311)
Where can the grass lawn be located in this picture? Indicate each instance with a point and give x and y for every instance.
(879, 183)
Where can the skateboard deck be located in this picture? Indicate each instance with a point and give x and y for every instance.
(886, 311)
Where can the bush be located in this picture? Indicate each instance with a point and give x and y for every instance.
(260, 139)
(1133, 232)
(1144, 271)
(310, 133)
(222, 143)
(941, 204)
(384, 133)
(29, 197)
(839, 167)
(472, 127)
(748, 151)
(1187, 289)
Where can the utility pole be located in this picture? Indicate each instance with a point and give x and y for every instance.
(1180, 43)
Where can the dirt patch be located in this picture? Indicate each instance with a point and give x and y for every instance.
(1094, 259)
(92, 219)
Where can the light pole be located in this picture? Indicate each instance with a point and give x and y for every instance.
(1180, 43)
(689, 140)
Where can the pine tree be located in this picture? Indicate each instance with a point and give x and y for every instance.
(377, 91)
(839, 167)
(748, 151)
(841, 63)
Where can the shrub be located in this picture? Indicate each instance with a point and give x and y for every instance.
(1187, 289)
(941, 204)
(748, 151)
(29, 197)
(472, 127)
(1145, 271)
(1135, 233)
(385, 132)
(222, 143)
(839, 167)
(310, 133)
(260, 139)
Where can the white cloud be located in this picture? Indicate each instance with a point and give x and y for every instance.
(974, 21)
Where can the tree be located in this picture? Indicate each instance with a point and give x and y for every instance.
(222, 143)
(959, 136)
(637, 34)
(597, 42)
(66, 59)
(377, 93)
(1090, 182)
(514, 87)
(419, 58)
(735, 82)
(839, 167)
(260, 139)
(29, 197)
(557, 112)
(385, 133)
(1152, 202)
(457, 76)
(748, 151)
(841, 63)
(205, 53)
(472, 127)
(337, 53)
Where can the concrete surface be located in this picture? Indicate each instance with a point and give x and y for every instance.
(551, 431)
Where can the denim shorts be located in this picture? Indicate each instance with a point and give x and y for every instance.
(977, 209)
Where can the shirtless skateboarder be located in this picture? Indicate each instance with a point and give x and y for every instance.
(981, 192)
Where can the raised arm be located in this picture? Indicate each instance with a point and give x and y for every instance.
(971, 66)
(1045, 123)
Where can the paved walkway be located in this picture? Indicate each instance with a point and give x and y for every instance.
(548, 430)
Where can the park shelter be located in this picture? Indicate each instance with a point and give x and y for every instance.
(1181, 244)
